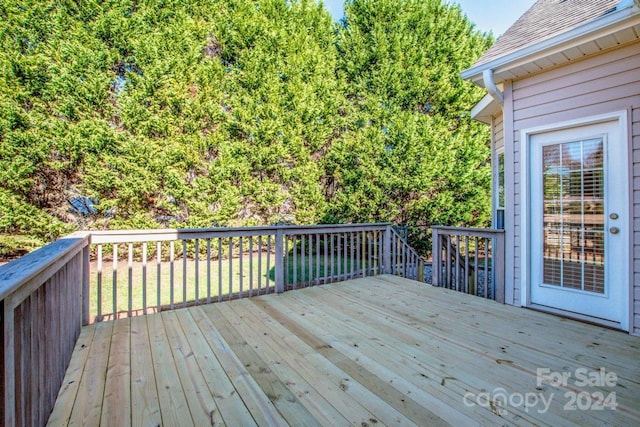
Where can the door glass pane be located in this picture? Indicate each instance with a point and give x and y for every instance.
(573, 215)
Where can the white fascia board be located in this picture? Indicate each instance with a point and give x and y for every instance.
(565, 40)
(485, 109)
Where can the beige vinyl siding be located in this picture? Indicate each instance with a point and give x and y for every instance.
(601, 84)
(498, 132)
(635, 132)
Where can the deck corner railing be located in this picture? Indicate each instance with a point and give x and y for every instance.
(141, 271)
(48, 295)
(469, 260)
(43, 296)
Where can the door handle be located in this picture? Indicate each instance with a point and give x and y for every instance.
(614, 230)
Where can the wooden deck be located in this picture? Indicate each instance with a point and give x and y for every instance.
(368, 352)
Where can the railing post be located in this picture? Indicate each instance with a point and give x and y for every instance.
(436, 252)
(420, 272)
(85, 284)
(279, 273)
(498, 269)
(386, 251)
(8, 365)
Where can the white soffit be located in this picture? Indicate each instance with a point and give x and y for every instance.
(613, 30)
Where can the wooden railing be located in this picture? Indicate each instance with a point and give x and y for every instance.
(405, 261)
(469, 260)
(142, 271)
(44, 301)
(47, 295)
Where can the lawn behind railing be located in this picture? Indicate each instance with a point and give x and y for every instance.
(155, 270)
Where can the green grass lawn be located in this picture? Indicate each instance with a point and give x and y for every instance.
(225, 277)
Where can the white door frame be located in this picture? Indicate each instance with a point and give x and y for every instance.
(622, 118)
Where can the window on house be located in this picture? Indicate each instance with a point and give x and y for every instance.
(499, 202)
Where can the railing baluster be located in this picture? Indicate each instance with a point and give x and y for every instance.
(240, 266)
(197, 271)
(345, 256)
(268, 261)
(144, 278)
(208, 271)
(358, 255)
(130, 279)
(286, 261)
(99, 285)
(370, 267)
(219, 269)
(448, 262)
(351, 256)
(303, 244)
(475, 268)
(159, 276)
(466, 283)
(310, 259)
(260, 264)
(295, 261)
(171, 273)
(184, 273)
(486, 265)
(326, 258)
(317, 280)
(230, 269)
(332, 257)
(251, 266)
(115, 280)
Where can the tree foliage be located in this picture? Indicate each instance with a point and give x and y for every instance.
(235, 112)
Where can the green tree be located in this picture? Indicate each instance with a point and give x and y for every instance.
(194, 113)
(413, 154)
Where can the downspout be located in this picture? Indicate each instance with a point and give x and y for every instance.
(490, 86)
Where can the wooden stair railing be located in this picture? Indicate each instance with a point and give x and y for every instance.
(469, 260)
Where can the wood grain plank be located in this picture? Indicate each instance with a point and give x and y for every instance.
(87, 408)
(272, 385)
(145, 404)
(116, 407)
(173, 405)
(203, 408)
(232, 408)
(71, 382)
(258, 404)
(338, 390)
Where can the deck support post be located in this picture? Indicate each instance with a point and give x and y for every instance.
(386, 251)
(498, 269)
(436, 252)
(8, 406)
(279, 267)
(86, 285)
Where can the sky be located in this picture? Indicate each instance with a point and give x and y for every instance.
(488, 15)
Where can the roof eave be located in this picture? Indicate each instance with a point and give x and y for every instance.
(484, 110)
(554, 44)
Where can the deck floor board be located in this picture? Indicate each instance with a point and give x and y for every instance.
(373, 351)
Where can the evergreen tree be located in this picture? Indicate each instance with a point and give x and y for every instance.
(190, 113)
(413, 154)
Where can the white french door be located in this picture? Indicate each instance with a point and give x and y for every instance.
(579, 221)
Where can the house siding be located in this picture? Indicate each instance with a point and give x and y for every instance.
(601, 84)
(498, 133)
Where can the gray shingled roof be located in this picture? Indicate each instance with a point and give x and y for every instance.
(545, 19)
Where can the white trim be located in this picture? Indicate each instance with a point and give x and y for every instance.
(560, 42)
(485, 109)
(525, 228)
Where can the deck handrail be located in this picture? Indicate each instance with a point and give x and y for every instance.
(43, 305)
(454, 268)
(47, 295)
(292, 256)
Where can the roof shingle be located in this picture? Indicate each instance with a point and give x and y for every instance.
(545, 19)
